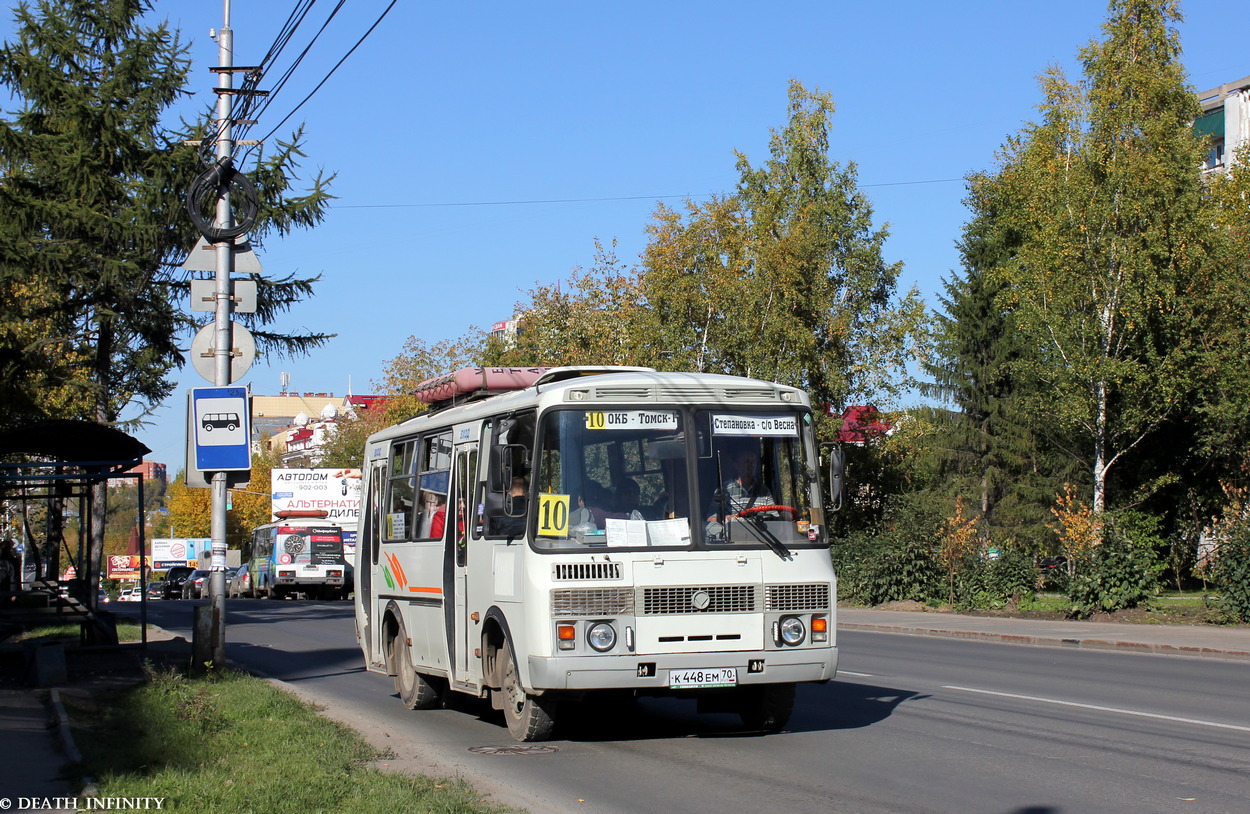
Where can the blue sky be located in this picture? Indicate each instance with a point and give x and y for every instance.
(451, 112)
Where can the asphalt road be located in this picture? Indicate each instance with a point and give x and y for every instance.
(912, 724)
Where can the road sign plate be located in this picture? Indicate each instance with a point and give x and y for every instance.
(204, 353)
(221, 427)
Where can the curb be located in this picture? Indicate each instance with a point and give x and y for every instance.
(1048, 641)
(66, 738)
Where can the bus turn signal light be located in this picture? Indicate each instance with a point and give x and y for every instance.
(567, 634)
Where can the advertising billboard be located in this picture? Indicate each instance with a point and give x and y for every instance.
(170, 551)
(122, 566)
(305, 491)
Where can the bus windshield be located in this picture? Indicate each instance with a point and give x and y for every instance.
(671, 478)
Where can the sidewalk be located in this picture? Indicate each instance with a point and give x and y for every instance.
(36, 758)
(1172, 640)
(33, 760)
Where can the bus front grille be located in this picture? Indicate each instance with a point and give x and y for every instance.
(698, 599)
(593, 602)
(810, 597)
(568, 571)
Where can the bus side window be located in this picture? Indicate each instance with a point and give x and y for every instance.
(401, 493)
(373, 516)
(433, 476)
(466, 472)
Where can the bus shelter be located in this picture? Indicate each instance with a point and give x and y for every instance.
(48, 472)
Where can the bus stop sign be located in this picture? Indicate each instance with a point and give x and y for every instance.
(221, 426)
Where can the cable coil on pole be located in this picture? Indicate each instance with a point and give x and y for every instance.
(210, 187)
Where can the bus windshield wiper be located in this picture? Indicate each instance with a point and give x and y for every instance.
(757, 528)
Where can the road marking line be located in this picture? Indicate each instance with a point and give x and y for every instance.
(857, 675)
(1100, 709)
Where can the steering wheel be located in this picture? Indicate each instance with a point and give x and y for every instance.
(775, 507)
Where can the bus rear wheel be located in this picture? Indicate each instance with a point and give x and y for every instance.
(766, 708)
(529, 717)
(415, 690)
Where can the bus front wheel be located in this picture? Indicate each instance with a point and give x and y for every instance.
(529, 717)
(767, 707)
(414, 689)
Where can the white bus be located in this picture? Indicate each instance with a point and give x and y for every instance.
(541, 534)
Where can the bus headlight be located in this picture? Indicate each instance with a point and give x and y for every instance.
(792, 630)
(601, 636)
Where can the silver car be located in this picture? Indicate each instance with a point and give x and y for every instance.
(239, 583)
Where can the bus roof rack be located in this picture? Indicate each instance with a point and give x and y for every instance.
(562, 374)
(472, 383)
(291, 514)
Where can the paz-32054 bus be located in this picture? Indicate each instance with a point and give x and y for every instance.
(541, 534)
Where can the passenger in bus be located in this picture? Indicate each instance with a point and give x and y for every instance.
(628, 498)
(582, 518)
(431, 504)
(598, 500)
(438, 521)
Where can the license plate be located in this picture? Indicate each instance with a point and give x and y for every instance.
(701, 678)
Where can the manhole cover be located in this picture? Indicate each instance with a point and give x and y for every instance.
(513, 750)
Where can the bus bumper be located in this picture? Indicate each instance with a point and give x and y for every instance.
(651, 672)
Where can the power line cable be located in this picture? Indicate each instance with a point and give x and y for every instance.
(337, 65)
(247, 101)
(599, 200)
(280, 83)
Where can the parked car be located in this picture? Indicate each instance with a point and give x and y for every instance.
(174, 578)
(240, 582)
(196, 584)
(129, 595)
(155, 590)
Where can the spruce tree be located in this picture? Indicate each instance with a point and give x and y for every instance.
(92, 224)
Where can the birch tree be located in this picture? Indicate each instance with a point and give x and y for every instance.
(1106, 193)
(785, 279)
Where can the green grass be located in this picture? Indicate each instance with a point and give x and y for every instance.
(1045, 602)
(229, 742)
(126, 632)
(1198, 600)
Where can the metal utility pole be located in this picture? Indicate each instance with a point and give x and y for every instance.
(224, 343)
(221, 352)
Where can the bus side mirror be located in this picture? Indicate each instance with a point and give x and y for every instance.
(837, 479)
(500, 468)
(506, 462)
(492, 504)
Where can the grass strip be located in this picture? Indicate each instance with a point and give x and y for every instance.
(126, 632)
(229, 742)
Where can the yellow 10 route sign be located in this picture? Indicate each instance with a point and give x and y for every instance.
(631, 420)
(553, 515)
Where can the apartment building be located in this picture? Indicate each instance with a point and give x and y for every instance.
(1225, 120)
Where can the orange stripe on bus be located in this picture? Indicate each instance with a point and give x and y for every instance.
(399, 569)
(418, 590)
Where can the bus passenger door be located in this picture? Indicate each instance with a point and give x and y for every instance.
(461, 631)
(368, 543)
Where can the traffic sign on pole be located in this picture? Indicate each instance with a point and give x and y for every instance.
(204, 352)
(220, 420)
